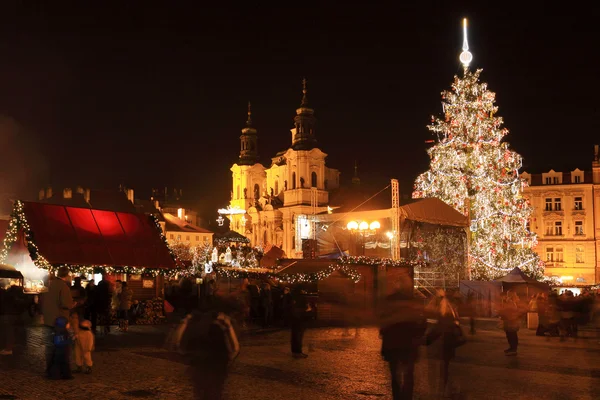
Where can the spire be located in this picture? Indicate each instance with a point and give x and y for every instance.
(465, 57)
(304, 91)
(248, 142)
(249, 120)
(303, 134)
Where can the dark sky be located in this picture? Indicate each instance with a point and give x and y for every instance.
(155, 96)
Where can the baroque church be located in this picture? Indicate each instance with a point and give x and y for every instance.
(280, 201)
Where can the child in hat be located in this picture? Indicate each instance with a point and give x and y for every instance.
(84, 346)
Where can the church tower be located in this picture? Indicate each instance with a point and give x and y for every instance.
(248, 142)
(303, 133)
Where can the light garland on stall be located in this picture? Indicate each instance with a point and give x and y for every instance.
(343, 265)
(18, 222)
(475, 172)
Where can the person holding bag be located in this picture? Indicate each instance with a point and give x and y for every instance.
(447, 334)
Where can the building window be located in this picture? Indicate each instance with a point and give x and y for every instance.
(178, 238)
(579, 255)
(325, 185)
(577, 179)
(256, 191)
(172, 236)
(579, 227)
(549, 228)
(197, 238)
(557, 205)
(187, 238)
(579, 203)
(548, 204)
(548, 180)
(555, 180)
(205, 239)
(293, 180)
(549, 254)
(313, 179)
(558, 228)
(558, 254)
(276, 188)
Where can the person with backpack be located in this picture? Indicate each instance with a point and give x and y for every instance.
(212, 349)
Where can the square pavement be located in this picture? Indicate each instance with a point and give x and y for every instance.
(342, 364)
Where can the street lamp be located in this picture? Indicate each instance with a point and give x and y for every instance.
(363, 228)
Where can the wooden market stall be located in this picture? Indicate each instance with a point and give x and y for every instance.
(90, 242)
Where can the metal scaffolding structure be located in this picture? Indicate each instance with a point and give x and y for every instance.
(395, 220)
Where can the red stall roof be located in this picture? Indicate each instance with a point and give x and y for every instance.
(84, 236)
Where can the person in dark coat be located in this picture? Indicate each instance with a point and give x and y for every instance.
(300, 309)
(402, 328)
(91, 312)
(213, 345)
(103, 297)
(266, 303)
(12, 304)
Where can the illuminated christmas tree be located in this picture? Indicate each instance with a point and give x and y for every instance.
(475, 172)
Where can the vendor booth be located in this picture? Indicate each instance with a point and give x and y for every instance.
(93, 243)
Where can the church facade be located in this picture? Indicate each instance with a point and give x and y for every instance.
(281, 200)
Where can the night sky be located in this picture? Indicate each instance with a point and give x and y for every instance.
(151, 97)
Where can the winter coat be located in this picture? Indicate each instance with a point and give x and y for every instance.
(511, 315)
(85, 340)
(402, 330)
(57, 301)
(125, 299)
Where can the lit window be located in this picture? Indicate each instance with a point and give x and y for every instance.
(557, 205)
(197, 238)
(549, 254)
(558, 228)
(549, 228)
(172, 236)
(579, 227)
(548, 204)
(579, 255)
(205, 239)
(558, 255)
(178, 237)
(579, 203)
(187, 238)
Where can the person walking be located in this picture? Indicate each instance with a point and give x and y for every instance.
(102, 302)
(300, 308)
(266, 302)
(91, 312)
(124, 305)
(213, 348)
(12, 305)
(56, 302)
(511, 313)
(402, 328)
(447, 335)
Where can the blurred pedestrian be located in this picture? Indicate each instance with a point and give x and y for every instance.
(300, 310)
(446, 335)
(266, 302)
(125, 297)
(91, 312)
(12, 305)
(102, 302)
(59, 366)
(511, 313)
(56, 302)
(402, 329)
(213, 349)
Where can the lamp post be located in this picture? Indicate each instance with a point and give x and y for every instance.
(363, 229)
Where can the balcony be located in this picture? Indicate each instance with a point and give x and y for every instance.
(303, 196)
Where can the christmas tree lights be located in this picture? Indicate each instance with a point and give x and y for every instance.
(473, 170)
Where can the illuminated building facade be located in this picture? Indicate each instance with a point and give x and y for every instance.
(280, 200)
(566, 214)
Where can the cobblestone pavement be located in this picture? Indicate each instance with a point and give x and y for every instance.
(342, 364)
